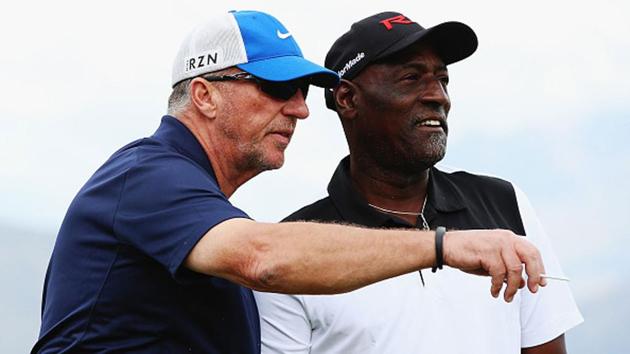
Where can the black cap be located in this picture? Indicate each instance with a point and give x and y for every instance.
(386, 33)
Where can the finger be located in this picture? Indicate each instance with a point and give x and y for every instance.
(534, 266)
(514, 273)
(521, 285)
(498, 275)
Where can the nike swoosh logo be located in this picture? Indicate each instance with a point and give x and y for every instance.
(283, 35)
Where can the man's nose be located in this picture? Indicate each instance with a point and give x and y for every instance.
(296, 106)
(435, 93)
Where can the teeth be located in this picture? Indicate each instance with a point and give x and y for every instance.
(431, 123)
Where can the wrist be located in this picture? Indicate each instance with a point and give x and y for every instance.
(440, 233)
(446, 250)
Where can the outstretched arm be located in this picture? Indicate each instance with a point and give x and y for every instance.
(313, 258)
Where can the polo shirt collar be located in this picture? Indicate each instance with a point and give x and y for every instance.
(444, 197)
(175, 134)
(349, 202)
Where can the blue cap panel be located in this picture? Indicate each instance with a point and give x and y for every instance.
(264, 36)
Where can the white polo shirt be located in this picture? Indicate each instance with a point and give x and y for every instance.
(454, 313)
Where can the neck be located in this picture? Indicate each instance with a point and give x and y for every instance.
(228, 176)
(388, 189)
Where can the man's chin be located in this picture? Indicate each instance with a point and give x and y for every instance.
(272, 162)
(424, 162)
(275, 166)
(434, 159)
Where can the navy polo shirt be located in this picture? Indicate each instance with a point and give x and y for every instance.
(116, 280)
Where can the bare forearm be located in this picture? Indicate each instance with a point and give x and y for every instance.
(328, 258)
(312, 258)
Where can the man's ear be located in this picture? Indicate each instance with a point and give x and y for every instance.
(345, 99)
(204, 96)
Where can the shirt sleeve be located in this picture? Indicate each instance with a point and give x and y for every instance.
(552, 310)
(284, 325)
(166, 205)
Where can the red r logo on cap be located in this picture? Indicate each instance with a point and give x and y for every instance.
(400, 19)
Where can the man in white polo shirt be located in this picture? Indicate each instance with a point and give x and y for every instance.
(393, 104)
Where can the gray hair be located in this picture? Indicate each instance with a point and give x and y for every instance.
(180, 96)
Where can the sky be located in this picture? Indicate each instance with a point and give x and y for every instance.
(543, 103)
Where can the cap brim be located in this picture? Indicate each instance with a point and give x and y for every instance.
(453, 41)
(288, 68)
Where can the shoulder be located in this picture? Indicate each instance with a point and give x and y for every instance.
(157, 176)
(474, 181)
(322, 210)
(477, 187)
(149, 161)
(490, 201)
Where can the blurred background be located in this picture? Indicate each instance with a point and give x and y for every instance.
(543, 102)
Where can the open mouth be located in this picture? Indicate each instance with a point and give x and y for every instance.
(434, 123)
(431, 123)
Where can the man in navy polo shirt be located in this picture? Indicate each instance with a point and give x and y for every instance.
(152, 257)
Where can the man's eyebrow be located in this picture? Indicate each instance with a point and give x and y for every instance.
(423, 67)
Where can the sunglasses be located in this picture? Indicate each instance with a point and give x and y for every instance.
(282, 90)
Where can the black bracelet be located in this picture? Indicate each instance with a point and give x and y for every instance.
(439, 252)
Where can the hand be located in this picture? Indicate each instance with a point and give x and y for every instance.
(499, 254)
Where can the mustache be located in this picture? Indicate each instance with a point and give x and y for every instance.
(284, 126)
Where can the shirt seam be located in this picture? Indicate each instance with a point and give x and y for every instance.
(120, 194)
(109, 269)
(98, 296)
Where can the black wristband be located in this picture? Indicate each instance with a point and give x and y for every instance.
(439, 252)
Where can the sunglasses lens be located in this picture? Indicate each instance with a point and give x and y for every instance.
(304, 87)
(284, 90)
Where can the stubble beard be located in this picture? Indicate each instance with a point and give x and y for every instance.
(411, 162)
(433, 152)
(435, 149)
(250, 154)
(255, 159)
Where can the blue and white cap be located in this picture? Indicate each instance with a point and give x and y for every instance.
(252, 41)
